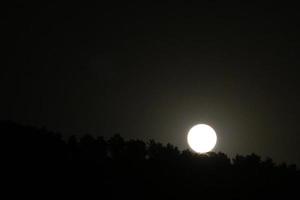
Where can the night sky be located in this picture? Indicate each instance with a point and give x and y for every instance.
(155, 70)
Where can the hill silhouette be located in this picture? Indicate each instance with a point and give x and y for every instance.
(40, 163)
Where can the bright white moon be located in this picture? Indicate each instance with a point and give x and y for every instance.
(202, 138)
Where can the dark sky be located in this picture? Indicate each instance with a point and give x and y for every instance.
(154, 70)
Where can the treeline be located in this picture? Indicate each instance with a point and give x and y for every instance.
(117, 168)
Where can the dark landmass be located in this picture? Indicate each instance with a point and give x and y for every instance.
(41, 164)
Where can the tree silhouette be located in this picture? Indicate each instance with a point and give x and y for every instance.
(116, 168)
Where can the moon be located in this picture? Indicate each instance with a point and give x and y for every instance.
(202, 138)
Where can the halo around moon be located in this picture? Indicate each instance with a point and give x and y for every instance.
(202, 138)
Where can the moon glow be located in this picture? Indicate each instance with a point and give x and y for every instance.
(202, 138)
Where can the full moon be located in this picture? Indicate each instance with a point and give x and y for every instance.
(202, 138)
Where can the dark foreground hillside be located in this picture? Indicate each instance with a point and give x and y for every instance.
(41, 164)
